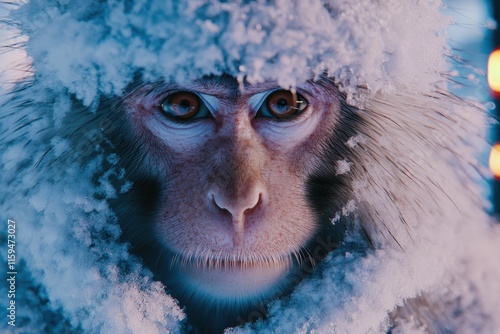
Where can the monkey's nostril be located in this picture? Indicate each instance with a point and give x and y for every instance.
(255, 206)
(238, 206)
(220, 204)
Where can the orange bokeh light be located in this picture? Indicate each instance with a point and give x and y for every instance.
(494, 71)
(495, 160)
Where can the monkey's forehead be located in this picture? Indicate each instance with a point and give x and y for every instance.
(97, 47)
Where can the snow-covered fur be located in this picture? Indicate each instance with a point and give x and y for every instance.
(413, 163)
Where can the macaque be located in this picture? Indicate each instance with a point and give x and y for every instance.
(232, 191)
(192, 166)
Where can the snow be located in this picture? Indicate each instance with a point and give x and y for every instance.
(416, 177)
(101, 45)
(353, 141)
(343, 166)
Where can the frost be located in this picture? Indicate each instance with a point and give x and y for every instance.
(354, 141)
(335, 218)
(285, 41)
(343, 166)
(349, 208)
(59, 145)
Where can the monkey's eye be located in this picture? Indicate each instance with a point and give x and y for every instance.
(184, 106)
(282, 104)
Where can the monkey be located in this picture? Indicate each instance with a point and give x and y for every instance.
(255, 162)
(205, 180)
(251, 163)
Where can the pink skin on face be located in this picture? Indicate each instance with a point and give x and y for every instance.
(234, 210)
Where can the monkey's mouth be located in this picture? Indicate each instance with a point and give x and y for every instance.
(230, 279)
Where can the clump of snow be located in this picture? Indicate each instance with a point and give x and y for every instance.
(343, 166)
(350, 207)
(347, 209)
(101, 45)
(354, 141)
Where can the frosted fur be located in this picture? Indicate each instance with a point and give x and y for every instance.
(103, 45)
(416, 174)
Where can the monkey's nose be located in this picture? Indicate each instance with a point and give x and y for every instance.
(239, 205)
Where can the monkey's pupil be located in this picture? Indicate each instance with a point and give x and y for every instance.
(282, 106)
(185, 104)
(282, 103)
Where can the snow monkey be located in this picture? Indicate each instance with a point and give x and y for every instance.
(270, 166)
(233, 190)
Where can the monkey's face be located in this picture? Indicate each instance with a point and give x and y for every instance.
(232, 162)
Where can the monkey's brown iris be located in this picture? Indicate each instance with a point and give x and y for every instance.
(283, 104)
(182, 105)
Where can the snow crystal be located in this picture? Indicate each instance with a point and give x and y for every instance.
(349, 207)
(354, 141)
(342, 167)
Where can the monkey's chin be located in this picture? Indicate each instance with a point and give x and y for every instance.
(236, 282)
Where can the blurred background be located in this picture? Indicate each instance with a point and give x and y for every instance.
(490, 45)
(475, 39)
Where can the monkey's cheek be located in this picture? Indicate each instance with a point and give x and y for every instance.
(240, 283)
